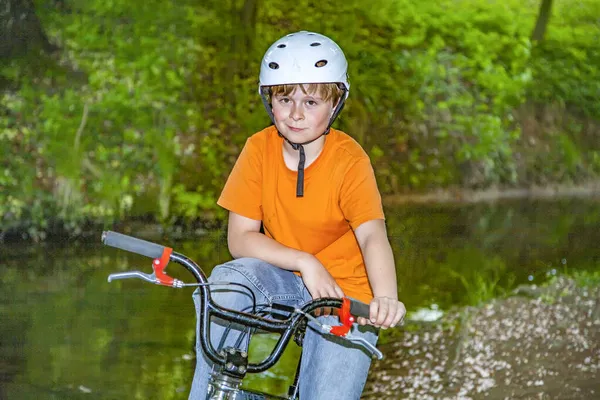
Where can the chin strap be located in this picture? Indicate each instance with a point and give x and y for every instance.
(300, 146)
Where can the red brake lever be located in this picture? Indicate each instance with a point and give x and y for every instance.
(345, 318)
(159, 265)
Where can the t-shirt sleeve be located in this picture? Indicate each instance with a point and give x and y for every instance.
(360, 200)
(242, 193)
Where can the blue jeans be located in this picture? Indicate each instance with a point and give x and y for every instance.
(331, 367)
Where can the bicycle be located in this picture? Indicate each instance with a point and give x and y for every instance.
(232, 363)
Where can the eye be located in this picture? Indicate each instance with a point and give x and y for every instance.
(311, 102)
(284, 100)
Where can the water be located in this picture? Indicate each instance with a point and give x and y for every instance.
(65, 333)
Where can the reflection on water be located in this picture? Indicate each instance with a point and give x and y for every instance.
(461, 255)
(65, 333)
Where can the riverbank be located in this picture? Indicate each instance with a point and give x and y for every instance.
(466, 196)
(539, 343)
(149, 228)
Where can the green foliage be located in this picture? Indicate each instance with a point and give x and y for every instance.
(447, 91)
(585, 278)
(148, 104)
(480, 287)
(483, 283)
(562, 160)
(566, 65)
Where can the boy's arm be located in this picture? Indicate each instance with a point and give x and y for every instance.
(386, 310)
(245, 240)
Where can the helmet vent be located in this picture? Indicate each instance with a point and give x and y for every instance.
(321, 63)
(281, 46)
(315, 44)
(273, 65)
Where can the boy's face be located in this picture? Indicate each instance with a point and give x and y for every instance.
(301, 117)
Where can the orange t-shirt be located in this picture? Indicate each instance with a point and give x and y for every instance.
(340, 193)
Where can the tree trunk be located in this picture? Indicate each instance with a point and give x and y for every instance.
(249, 12)
(242, 40)
(542, 21)
(20, 29)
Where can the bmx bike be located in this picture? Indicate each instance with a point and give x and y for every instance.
(231, 363)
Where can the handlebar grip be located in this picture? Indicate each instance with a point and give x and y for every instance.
(134, 245)
(359, 309)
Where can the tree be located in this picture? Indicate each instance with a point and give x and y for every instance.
(21, 30)
(244, 21)
(542, 21)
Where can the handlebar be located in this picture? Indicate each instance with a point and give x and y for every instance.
(286, 328)
(132, 244)
(359, 309)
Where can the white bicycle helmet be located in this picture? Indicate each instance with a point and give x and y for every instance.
(304, 57)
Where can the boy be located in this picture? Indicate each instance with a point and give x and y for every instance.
(313, 190)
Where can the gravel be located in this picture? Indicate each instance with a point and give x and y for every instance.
(539, 343)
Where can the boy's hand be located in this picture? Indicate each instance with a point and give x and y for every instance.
(385, 312)
(317, 279)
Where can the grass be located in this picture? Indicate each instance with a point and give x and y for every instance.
(587, 278)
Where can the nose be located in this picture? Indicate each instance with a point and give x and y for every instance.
(296, 113)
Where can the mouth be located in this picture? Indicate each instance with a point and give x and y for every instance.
(291, 128)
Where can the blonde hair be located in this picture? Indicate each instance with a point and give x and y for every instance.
(327, 91)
